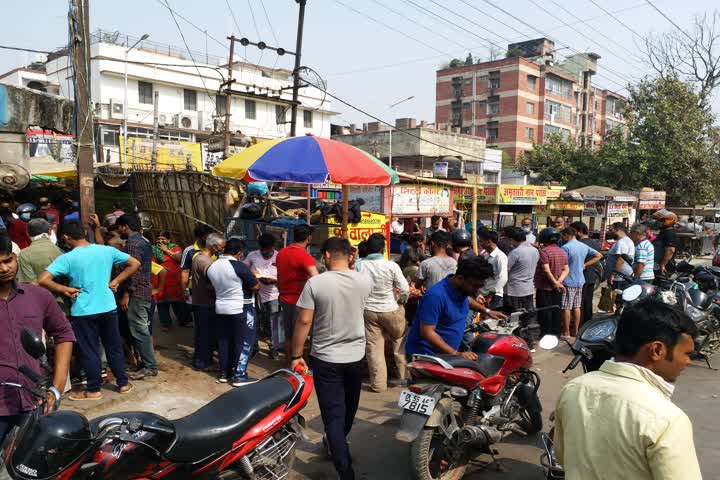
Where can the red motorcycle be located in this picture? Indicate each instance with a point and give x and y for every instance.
(246, 433)
(456, 408)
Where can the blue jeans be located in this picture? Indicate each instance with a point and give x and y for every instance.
(88, 329)
(272, 315)
(236, 337)
(204, 335)
(138, 320)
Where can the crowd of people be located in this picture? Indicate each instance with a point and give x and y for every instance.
(107, 290)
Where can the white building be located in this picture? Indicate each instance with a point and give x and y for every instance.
(189, 101)
(33, 76)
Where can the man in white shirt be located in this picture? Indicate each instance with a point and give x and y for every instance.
(494, 286)
(231, 279)
(262, 264)
(622, 252)
(397, 226)
(383, 316)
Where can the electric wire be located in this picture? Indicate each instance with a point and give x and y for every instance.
(232, 14)
(670, 20)
(614, 17)
(267, 17)
(252, 14)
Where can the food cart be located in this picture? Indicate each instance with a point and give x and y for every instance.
(603, 206)
(697, 229)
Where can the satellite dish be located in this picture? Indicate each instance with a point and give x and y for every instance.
(13, 177)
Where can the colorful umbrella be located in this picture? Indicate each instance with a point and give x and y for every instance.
(307, 159)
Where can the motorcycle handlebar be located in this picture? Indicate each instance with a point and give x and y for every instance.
(574, 362)
(158, 429)
(30, 373)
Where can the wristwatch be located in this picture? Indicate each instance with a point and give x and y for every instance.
(296, 358)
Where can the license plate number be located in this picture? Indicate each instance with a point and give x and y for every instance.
(416, 403)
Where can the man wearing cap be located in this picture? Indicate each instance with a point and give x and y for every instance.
(666, 241)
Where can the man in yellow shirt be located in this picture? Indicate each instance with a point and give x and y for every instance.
(619, 422)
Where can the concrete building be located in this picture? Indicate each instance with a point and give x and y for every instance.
(191, 107)
(427, 152)
(520, 100)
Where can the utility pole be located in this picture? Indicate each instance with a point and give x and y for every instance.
(228, 102)
(80, 38)
(296, 71)
(156, 127)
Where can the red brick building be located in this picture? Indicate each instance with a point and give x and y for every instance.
(518, 101)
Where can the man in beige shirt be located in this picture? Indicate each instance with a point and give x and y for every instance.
(620, 422)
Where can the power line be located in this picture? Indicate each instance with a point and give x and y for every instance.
(5, 47)
(232, 14)
(272, 30)
(670, 20)
(391, 28)
(252, 14)
(183, 18)
(614, 17)
(579, 32)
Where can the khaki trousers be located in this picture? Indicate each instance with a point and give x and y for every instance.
(378, 326)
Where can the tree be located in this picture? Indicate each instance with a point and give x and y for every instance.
(469, 59)
(693, 56)
(669, 145)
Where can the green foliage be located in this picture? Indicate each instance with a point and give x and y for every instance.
(469, 59)
(514, 52)
(669, 145)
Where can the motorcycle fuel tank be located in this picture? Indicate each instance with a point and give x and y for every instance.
(514, 349)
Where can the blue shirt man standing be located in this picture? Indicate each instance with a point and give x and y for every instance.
(580, 257)
(440, 318)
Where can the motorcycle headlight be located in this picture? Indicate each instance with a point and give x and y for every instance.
(598, 332)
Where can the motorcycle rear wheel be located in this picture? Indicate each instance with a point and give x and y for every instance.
(427, 461)
(530, 420)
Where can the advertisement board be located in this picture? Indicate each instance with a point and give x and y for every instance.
(616, 209)
(521, 195)
(171, 154)
(369, 224)
(420, 200)
(373, 196)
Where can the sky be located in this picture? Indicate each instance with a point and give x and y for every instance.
(372, 53)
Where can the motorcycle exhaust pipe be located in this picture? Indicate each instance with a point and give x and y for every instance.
(481, 437)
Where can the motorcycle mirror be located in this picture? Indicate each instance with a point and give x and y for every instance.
(32, 343)
(631, 293)
(549, 342)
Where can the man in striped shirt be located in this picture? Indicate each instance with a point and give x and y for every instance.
(644, 253)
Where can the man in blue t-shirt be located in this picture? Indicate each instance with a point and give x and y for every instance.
(439, 322)
(580, 257)
(94, 312)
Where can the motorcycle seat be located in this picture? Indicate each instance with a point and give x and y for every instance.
(222, 422)
(486, 364)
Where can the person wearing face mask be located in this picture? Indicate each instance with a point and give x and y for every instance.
(17, 227)
(263, 264)
(526, 226)
(620, 421)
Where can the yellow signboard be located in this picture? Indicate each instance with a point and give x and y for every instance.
(521, 195)
(171, 154)
(369, 224)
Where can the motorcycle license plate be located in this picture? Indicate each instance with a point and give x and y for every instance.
(416, 403)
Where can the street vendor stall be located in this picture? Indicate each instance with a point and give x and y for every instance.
(697, 229)
(310, 160)
(603, 206)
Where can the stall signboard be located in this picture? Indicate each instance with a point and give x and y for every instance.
(42, 142)
(618, 209)
(420, 200)
(591, 209)
(485, 195)
(369, 223)
(373, 196)
(171, 154)
(653, 200)
(521, 195)
(566, 205)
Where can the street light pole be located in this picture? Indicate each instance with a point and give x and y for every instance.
(125, 101)
(391, 127)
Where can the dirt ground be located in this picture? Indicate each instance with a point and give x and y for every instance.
(178, 391)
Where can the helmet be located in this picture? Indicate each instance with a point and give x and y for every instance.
(460, 238)
(26, 210)
(666, 218)
(549, 235)
(67, 434)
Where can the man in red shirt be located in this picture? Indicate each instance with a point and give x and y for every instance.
(549, 275)
(294, 267)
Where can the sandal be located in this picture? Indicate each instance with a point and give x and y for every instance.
(83, 396)
(125, 389)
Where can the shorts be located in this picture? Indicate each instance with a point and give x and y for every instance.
(288, 314)
(572, 298)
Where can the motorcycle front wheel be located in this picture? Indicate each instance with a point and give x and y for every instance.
(430, 459)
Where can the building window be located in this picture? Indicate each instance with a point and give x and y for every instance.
(481, 130)
(492, 131)
(250, 112)
(220, 104)
(494, 80)
(280, 114)
(552, 110)
(482, 80)
(493, 105)
(307, 118)
(110, 138)
(558, 86)
(530, 108)
(532, 79)
(552, 130)
(482, 104)
(190, 100)
(530, 133)
(467, 106)
(145, 92)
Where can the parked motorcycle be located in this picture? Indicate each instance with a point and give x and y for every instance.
(246, 433)
(456, 409)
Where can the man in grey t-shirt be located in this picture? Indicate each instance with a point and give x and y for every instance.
(440, 265)
(522, 263)
(621, 251)
(332, 304)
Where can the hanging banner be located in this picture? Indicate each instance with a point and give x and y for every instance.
(171, 154)
(369, 224)
(43, 143)
(616, 209)
(651, 200)
(566, 205)
(420, 200)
